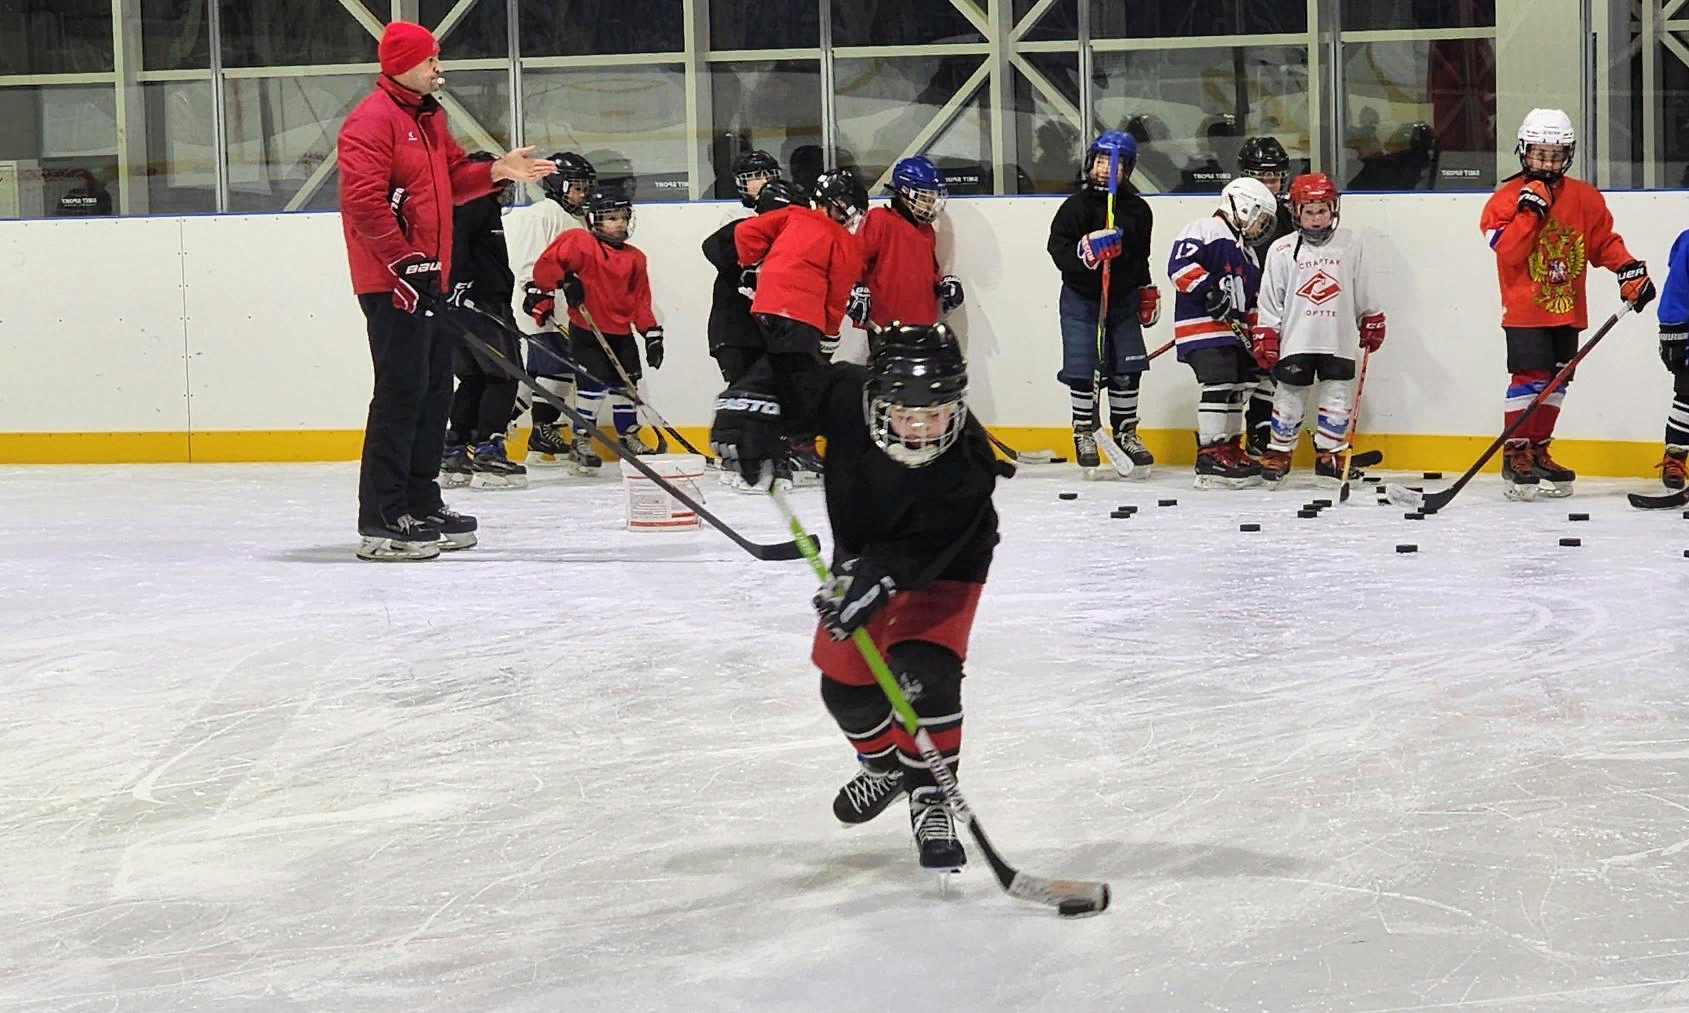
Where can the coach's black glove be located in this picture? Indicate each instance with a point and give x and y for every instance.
(857, 589)
(1674, 350)
(746, 432)
(574, 293)
(654, 347)
(538, 303)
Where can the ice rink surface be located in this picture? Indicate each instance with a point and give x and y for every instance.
(583, 769)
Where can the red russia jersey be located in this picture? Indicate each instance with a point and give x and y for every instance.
(618, 291)
(809, 263)
(900, 268)
(1542, 263)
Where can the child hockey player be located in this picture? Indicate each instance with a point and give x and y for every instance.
(1085, 249)
(909, 489)
(1674, 329)
(598, 269)
(527, 232)
(1217, 277)
(481, 406)
(735, 341)
(1314, 296)
(900, 273)
(1546, 228)
(1265, 159)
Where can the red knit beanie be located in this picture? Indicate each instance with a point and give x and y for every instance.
(404, 45)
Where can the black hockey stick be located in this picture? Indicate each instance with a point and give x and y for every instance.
(1070, 898)
(1667, 501)
(1414, 499)
(779, 551)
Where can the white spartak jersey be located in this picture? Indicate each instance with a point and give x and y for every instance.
(1315, 296)
(528, 230)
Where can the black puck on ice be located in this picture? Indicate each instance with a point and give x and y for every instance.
(1120, 515)
(1415, 548)
(1686, 515)
(1166, 502)
(1307, 513)
(1577, 517)
(1413, 515)
(1129, 508)
(1067, 495)
(1058, 460)
(1371, 478)
(1249, 527)
(1322, 502)
(1571, 542)
(1433, 474)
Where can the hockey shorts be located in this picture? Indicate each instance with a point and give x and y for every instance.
(1124, 345)
(1303, 369)
(941, 613)
(1221, 364)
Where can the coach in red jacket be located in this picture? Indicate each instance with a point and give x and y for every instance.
(400, 175)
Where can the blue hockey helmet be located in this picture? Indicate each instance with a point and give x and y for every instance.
(1110, 145)
(919, 187)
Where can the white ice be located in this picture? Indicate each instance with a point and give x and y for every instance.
(583, 769)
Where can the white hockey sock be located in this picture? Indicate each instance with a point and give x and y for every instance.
(590, 398)
(1333, 429)
(1219, 412)
(1290, 405)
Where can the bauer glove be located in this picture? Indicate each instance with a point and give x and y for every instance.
(654, 347)
(857, 590)
(858, 306)
(1266, 346)
(1635, 287)
(416, 277)
(1149, 306)
(538, 303)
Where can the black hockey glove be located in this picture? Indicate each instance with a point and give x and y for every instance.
(1218, 303)
(857, 589)
(654, 347)
(1674, 350)
(859, 305)
(1635, 287)
(574, 293)
(746, 432)
(460, 294)
(538, 303)
(949, 292)
(416, 281)
(1535, 197)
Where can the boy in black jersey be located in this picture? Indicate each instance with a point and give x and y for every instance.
(909, 484)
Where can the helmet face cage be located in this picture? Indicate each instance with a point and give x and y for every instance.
(1547, 128)
(1545, 175)
(919, 188)
(915, 435)
(915, 399)
(839, 190)
(1264, 158)
(753, 165)
(923, 203)
(600, 207)
(1111, 144)
(572, 183)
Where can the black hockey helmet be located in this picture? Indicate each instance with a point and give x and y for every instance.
(778, 193)
(915, 398)
(1265, 156)
(754, 164)
(571, 169)
(839, 190)
(600, 204)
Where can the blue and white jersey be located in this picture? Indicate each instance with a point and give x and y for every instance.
(1207, 253)
(1674, 291)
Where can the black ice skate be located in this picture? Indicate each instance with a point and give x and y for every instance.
(935, 831)
(634, 445)
(1085, 452)
(455, 471)
(406, 539)
(457, 531)
(548, 446)
(492, 468)
(1554, 480)
(867, 794)
(1519, 478)
(1224, 465)
(1127, 439)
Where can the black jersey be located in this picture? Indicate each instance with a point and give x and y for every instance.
(479, 255)
(731, 325)
(921, 524)
(1086, 211)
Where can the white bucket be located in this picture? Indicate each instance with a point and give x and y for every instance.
(650, 507)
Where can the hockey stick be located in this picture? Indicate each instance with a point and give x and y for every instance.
(1110, 451)
(1414, 499)
(1667, 501)
(627, 381)
(1354, 424)
(1070, 898)
(1023, 456)
(1170, 343)
(779, 551)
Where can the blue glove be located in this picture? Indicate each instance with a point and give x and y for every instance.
(857, 590)
(1096, 247)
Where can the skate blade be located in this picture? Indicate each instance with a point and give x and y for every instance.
(1219, 482)
(452, 543)
(539, 460)
(485, 481)
(454, 480)
(1098, 474)
(391, 550)
(1553, 490)
(1521, 493)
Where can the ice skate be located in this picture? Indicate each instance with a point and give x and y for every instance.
(456, 531)
(1672, 467)
(1085, 454)
(1518, 471)
(806, 465)
(406, 539)
(1126, 437)
(1224, 465)
(934, 827)
(867, 794)
(633, 444)
(1275, 465)
(580, 460)
(548, 446)
(455, 470)
(1554, 480)
(492, 468)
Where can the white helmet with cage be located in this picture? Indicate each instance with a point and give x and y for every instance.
(1544, 129)
(1248, 206)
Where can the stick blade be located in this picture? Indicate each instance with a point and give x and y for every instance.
(778, 552)
(1072, 898)
(1642, 501)
(1113, 453)
(1402, 496)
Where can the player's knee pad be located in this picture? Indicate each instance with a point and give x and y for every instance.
(559, 385)
(1126, 383)
(931, 676)
(857, 709)
(1529, 382)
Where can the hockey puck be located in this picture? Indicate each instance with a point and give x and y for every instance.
(1371, 478)
(1322, 503)
(1129, 508)
(1571, 542)
(1686, 515)
(1433, 474)
(1120, 515)
(1577, 517)
(1249, 527)
(1166, 502)
(1067, 495)
(1415, 548)
(1076, 908)
(1307, 513)
(1058, 460)
(1413, 515)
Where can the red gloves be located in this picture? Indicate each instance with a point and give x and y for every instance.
(1372, 331)
(1535, 198)
(1149, 305)
(1266, 346)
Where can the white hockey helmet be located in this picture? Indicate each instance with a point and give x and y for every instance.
(1546, 126)
(1248, 206)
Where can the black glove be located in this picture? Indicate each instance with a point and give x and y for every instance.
(654, 347)
(538, 303)
(746, 432)
(574, 293)
(748, 282)
(949, 292)
(859, 305)
(460, 294)
(1674, 350)
(857, 589)
(416, 281)
(1534, 197)
(1635, 287)
(1218, 303)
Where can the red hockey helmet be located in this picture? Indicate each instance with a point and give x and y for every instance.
(1313, 188)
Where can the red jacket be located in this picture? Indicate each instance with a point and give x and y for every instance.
(400, 175)
(900, 268)
(809, 263)
(1542, 264)
(618, 290)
